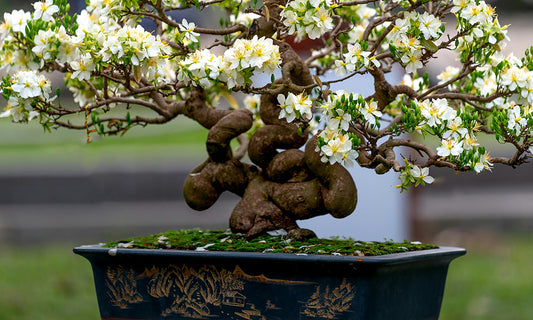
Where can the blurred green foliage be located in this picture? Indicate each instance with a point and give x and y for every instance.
(45, 283)
(492, 282)
(26, 146)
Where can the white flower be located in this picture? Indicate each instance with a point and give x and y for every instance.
(355, 58)
(486, 85)
(307, 17)
(436, 111)
(478, 13)
(286, 105)
(336, 149)
(17, 20)
(416, 84)
(290, 20)
(252, 103)
(303, 105)
(448, 74)
(422, 174)
(482, 163)
(370, 112)
(261, 54)
(294, 106)
(516, 120)
(365, 12)
(429, 25)
(341, 68)
(527, 90)
(83, 67)
(459, 5)
(322, 23)
(17, 113)
(244, 18)
(30, 84)
(514, 77)
(469, 142)
(450, 147)
(112, 46)
(498, 103)
(341, 120)
(67, 50)
(401, 26)
(44, 9)
(412, 61)
(188, 28)
(455, 129)
(356, 32)
(350, 157)
(43, 41)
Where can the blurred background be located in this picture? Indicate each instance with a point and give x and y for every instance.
(57, 192)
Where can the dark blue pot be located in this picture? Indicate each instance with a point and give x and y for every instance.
(172, 284)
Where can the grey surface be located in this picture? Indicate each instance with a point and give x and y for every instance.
(99, 206)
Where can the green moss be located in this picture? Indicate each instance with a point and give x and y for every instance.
(220, 240)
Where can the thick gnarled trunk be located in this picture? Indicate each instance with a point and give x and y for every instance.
(280, 187)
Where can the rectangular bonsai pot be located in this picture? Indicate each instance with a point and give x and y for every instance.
(175, 284)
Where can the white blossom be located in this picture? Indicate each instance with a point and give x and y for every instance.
(83, 67)
(450, 147)
(188, 29)
(16, 21)
(436, 111)
(44, 10)
(516, 120)
(486, 85)
(514, 77)
(429, 25)
(371, 112)
(422, 174)
(455, 129)
(337, 149)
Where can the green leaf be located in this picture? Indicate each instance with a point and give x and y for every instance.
(430, 45)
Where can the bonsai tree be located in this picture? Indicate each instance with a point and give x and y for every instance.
(293, 135)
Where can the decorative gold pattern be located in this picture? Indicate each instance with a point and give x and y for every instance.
(122, 287)
(191, 291)
(196, 292)
(250, 314)
(238, 272)
(327, 304)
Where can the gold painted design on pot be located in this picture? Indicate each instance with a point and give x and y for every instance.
(191, 292)
(325, 303)
(122, 287)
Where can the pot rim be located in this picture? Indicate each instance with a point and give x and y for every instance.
(443, 252)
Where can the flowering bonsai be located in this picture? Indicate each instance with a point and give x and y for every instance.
(294, 134)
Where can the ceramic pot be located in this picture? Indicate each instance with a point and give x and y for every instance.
(175, 284)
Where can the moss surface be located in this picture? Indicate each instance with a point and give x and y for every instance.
(220, 240)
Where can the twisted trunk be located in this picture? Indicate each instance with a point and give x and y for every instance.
(280, 187)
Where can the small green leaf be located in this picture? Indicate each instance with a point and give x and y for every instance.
(430, 45)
